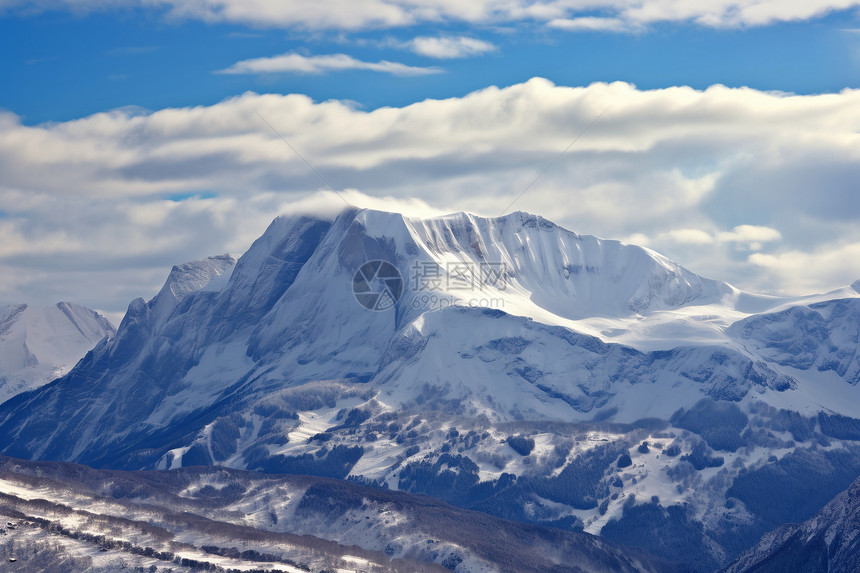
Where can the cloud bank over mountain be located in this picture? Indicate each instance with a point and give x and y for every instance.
(757, 187)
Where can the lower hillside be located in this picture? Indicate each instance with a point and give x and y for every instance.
(62, 517)
(828, 542)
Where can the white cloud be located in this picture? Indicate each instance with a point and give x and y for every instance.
(687, 237)
(298, 63)
(799, 272)
(591, 23)
(375, 14)
(640, 239)
(332, 203)
(447, 47)
(755, 234)
(98, 209)
(750, 237)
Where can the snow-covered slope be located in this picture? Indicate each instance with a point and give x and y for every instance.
(287, 315)
(39, 344)
(246, 521)
(521, 342)
(498, 334)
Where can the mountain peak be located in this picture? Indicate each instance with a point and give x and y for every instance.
(288, 312)
(198, 275)
(468, 357)
(39, 344)
(209, 274)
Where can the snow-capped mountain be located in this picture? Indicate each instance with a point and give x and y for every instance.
(507, 365)
(39, 344)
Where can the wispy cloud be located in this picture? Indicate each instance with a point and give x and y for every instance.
(746, 237)
(37, 61)
(245, 35)
(448, 47)
(132, 50)
(592, 24)
(300, 64)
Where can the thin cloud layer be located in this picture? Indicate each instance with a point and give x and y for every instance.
(592, 24)
(446, 47)
(753, 187)
(376, 14)
(298, 63)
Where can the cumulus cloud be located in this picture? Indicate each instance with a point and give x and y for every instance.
(446, 47)
(298, 63)
(375, 14)
(747, 186)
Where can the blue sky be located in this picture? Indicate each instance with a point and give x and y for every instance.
(59, 66)
(131, 138)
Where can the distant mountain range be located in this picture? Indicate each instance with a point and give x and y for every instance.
(504, 365)
(40, 344)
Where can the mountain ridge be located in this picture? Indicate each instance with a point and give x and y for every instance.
(521, 369)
